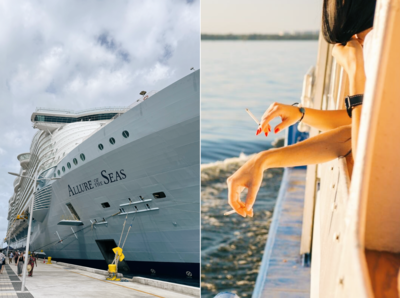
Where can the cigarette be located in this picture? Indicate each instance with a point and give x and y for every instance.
(252, 116)
(229, 212)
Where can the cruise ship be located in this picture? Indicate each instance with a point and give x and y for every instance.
(109, 169)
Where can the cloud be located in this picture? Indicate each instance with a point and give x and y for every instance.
(86, 54)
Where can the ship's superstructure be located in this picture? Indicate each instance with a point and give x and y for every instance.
(59, 132)
(137, 165)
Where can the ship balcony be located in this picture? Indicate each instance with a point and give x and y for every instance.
(24, 159)
(17, 182)
(42, 202)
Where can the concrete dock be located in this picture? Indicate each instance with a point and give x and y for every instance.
(59, 280)
(282, 273)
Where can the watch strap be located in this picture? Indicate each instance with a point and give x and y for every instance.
(301, 109)
(353, 101)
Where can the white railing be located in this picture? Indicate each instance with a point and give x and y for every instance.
(79, 112)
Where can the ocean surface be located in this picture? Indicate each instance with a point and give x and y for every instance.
(237, 75)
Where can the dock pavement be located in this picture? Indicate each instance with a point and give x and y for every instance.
(58, 280)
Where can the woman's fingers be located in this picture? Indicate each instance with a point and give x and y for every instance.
(288, 115)
(284, 124)
(265, 126)
(249, 212)
(251, 197)
(234, 198)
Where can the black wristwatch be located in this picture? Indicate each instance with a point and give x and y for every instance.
(353, 101)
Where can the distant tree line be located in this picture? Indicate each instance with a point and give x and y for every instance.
(295, 36)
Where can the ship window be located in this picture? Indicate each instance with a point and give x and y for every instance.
(63, 168)
(68, 165)
(58, 172)
(101, 147)
(55, 175)
(73, 212)
(159, 195)
(125, 134)
(83, 157)
(75, 161)
(112, 141)
(105, 205)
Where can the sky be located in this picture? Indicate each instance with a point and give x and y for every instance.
(259, 16)
(75, 54)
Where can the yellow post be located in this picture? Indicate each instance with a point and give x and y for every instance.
(112, 269)
(49, 260)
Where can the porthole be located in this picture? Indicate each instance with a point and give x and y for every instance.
(58, 172)
(112, 141)
(101, 147)
(63, 168)
(68, 165)
(83, 157)
(75, 161)
(55, 175)
(105, 205)
(125, 134)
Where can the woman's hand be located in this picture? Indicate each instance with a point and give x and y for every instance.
(248, 176)
(289, 115)
(351, 58)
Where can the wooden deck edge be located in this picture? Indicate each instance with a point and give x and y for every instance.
(262, 274)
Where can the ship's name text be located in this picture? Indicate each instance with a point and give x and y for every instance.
(108, 178)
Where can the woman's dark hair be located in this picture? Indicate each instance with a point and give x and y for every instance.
(341, 19)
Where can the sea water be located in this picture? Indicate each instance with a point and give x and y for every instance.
(236, 75)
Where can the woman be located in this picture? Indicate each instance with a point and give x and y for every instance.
(20, 263)
(345, 24)
(32, 262)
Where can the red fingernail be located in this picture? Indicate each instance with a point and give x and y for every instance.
(258, 131)
(266, 134)
(269, 128)
(276, 130)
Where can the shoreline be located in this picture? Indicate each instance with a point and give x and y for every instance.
(257, 37)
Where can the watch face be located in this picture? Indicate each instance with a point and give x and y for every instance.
(302, 110)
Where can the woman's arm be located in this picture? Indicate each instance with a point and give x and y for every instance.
(321, 148)
(351, 58)
(320, 119)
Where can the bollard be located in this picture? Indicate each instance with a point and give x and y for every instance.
(49, 260)
(112, 270)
